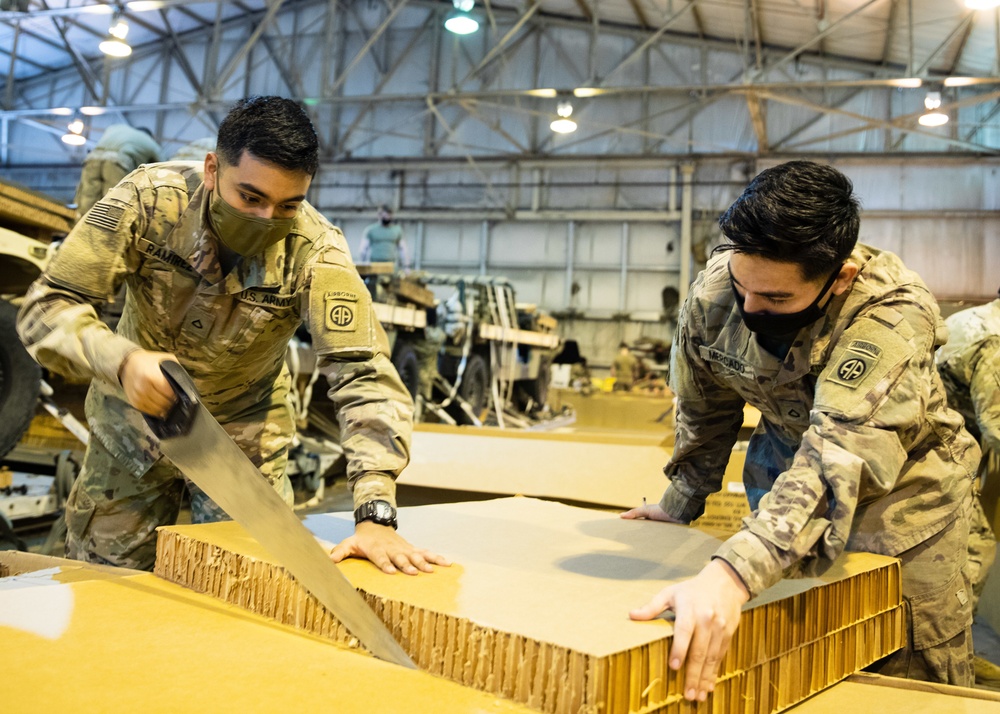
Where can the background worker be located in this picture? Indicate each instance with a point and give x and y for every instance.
(833, 342)
(222, 265)
(969, 365)
(383, 242)
(120, 150)
(623, 369)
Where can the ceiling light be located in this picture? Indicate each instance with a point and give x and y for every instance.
(910, 82)
(92, 111)
(981, 4)
(586, 92)
(459, 21)
(63, 111)
(115, 44)
(74, 137)
(563, 125)
(544, 92)
(960, 81)
(933, 118)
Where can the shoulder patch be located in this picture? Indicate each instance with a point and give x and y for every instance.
(106, 214)
(861, 369)
(340, 313)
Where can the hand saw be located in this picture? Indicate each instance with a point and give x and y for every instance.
(198, 445)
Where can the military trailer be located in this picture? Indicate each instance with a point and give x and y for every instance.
(497, 353)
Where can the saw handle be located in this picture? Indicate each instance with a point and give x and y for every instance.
(181, 415)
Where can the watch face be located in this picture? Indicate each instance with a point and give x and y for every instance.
(383, 510)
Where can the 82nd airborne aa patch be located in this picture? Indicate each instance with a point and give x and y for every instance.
(858, 360)
(341, 311)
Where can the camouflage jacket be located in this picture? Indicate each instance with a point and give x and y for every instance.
(969, 365)
(856, 447)
(126, 147)
(229, 331)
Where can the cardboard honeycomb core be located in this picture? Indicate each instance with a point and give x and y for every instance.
(535, 607)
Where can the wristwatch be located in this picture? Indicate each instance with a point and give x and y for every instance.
(380, 512)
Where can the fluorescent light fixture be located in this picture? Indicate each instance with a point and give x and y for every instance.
(115, 44)
(144, 5)
(933, 118)
(543, 93)
(959, 81)
(63, 111)
(92, 111)
(908, 82)
(563, 125)
(981, 4)
(459, 21)
(584, 92)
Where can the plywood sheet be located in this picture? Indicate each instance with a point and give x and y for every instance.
(535, 607)
(140, 644)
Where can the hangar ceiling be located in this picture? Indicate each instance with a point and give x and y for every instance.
(645, 77)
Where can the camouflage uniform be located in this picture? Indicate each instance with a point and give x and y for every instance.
(229, 331)
(624, 367)
(121, 150)
(969, 365)
(856, 448)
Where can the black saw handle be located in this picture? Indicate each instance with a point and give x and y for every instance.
(181, 415)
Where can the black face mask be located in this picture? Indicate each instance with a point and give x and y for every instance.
(783, 324)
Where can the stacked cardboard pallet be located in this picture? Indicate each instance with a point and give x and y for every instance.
(535, 608)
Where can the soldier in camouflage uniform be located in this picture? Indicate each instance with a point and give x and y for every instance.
(221, 267)
(120, 150)
(856, 449)
(969, 365)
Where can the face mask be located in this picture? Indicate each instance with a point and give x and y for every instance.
(386, 221)
(783, 324)
(245, 234)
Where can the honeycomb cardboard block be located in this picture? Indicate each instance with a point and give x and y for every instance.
(535, 608)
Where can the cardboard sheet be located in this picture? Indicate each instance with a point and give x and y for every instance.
(140, 644)
(872, 693)
(581, 470)
(547, 587)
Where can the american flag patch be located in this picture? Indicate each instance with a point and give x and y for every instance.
(105, 215)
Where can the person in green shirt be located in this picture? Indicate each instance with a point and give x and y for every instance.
(383, 242)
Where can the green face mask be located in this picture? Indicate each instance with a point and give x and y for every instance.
(245, 234)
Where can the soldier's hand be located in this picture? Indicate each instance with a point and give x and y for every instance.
(651, 512)
(706, 612)
(387, 550)
(145, 386)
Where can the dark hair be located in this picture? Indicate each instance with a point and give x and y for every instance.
(799, 212)
(272, 129)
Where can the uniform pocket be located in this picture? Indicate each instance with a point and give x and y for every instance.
(942, 613)
(79, 512)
